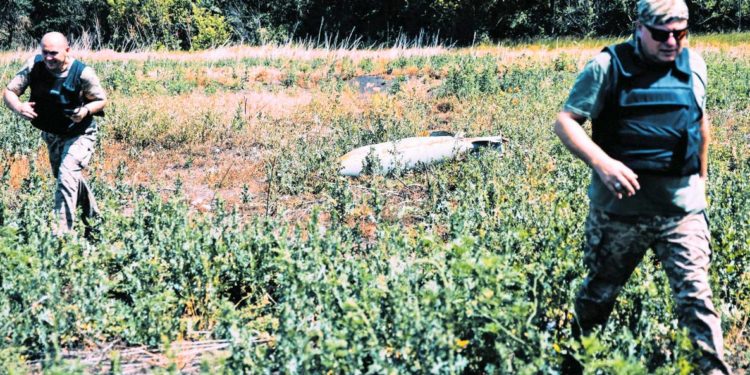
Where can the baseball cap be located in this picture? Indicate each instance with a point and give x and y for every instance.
(660, 12)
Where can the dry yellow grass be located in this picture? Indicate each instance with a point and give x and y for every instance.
(584, 49)
(285, 52)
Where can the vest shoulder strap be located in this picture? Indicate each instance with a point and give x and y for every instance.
(73, 82)
(624, 59)
(682, 63)
(37, 68)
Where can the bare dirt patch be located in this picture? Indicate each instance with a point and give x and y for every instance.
(203, 173)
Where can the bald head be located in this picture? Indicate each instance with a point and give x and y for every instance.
(55, 50)
(56, 38)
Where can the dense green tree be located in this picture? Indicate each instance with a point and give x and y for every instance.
(190, 24)
(70, 17)
(210, 28)
(14, 22)
(721, 15)
(162, 23)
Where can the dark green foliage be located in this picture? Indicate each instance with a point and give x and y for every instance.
(197, 24)
(70, 17)
(14, 22)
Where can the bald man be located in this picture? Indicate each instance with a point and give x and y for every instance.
(65, 95)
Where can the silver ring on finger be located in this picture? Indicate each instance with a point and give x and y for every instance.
(618, 186)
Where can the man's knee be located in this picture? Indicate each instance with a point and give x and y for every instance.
(69, 166)
(68, 180)
(690, 285)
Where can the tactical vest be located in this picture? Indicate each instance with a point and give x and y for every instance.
(56, 98)
(651, 119)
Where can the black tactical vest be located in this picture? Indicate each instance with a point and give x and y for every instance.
(651, 118)
(55, 98)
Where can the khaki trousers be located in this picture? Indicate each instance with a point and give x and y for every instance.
(68, 157)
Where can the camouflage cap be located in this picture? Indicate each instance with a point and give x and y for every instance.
(660, 12)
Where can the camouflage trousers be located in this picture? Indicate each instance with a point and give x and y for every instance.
(615, 245)
(68, 157)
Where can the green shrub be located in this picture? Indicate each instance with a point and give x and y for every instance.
(211, 29)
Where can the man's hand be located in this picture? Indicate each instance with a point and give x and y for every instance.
(617, 177)
(26, 110)
(80, 114)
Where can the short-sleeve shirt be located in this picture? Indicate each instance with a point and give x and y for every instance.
(659, 195)
(91, 87)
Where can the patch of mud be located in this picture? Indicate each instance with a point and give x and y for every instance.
(372, 84)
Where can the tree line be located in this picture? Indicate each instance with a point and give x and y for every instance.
(198, 24)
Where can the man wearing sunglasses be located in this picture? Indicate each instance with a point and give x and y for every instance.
(648, 152)
(65, 95)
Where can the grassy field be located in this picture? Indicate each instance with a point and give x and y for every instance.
(224, 217)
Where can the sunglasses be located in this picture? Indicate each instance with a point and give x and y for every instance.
(662, 36)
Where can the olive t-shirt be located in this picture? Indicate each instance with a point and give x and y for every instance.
(659, 195)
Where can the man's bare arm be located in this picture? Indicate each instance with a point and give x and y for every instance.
(88, 109)
(96, 105)
(94, 94)
(568, 129)
(14, 103)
